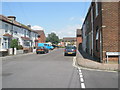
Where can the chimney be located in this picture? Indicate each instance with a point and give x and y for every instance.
(12, 18)
(29, 26)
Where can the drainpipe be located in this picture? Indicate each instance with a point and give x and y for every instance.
(101, 43)
(11, 38)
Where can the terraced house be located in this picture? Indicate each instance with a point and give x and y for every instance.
(11, 29)
(100, 30)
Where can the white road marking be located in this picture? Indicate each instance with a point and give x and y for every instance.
(81, 76)
(82, 85)
(81, 79)
(79, 68)
(79, 72)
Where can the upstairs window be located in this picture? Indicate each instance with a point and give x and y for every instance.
(24, 33)
(97, 37)
(6, 28)
(96, 8)
(15, 32)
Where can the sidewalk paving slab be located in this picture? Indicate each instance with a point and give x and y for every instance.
(92, 64)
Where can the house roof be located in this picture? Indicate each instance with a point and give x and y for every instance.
(40, 32)
(69, 38)
(6, 19)
(25, 38)
(7, 35)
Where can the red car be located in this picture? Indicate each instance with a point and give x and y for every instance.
(41, 50)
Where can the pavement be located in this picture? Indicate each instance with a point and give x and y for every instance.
(14, 56)
(20, 55)
(86, 61)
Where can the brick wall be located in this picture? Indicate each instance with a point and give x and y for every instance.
(42, 38)
(110, 32)
(79, 42)
(119, 28)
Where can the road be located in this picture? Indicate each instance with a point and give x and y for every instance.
(52, 70)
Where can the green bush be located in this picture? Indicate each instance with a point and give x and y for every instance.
(20, 47)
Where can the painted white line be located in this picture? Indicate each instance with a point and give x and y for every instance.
(82, 85)
(81, 79)
(80, 73)
(81, 76)
(79, 68)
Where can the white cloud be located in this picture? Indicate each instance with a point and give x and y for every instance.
(82, 19)
(72, 18)
(53, 31)
(68, 31)
(36, 27)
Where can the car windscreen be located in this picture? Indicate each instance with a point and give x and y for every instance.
(70, 47)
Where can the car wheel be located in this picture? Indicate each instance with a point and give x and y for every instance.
(75, 54)
(65, 54)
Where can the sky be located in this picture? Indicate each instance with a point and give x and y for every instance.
(62, 18)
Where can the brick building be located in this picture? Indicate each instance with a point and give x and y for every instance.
(79, 39)
(41, 37)
(101, 29)
(69, 41)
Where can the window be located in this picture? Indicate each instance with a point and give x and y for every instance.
(24, 33)
(96, 8)
(5, 43)
(91, 15)
(97, 37)
(6, 28)
(15, 32)
(26, 43)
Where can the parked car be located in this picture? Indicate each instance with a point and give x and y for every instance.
(55, 46)
(70, 50)
(41, 50)
(49, 46)
(46, 45)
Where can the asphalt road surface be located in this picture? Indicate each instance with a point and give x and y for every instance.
(52, 70)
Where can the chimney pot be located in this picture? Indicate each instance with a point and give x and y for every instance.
(12, 18)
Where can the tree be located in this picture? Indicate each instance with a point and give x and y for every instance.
(53, 38)
(14, 44)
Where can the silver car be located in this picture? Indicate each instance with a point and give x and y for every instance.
(70, 50)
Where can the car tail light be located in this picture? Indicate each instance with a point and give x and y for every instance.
(74, 50)
(65, 50)
(42, 49)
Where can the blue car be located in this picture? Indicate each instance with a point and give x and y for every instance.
(46, 45)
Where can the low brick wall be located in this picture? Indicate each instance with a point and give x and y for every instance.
(19, 52)
(3, 53)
